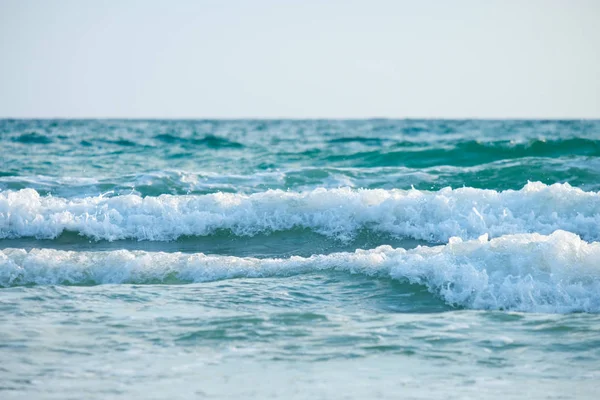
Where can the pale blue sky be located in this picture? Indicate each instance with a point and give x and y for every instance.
(309, 58)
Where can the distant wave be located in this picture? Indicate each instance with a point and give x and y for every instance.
(526, 272)
(210, 141)
(579, 171)
(32, 138)
(467, 153)
(335, 213)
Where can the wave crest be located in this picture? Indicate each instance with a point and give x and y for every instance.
(526, 272)
(337, 213)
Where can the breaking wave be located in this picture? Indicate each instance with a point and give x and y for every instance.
(525, 272)
(336, 213)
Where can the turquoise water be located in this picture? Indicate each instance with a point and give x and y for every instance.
(299, 259)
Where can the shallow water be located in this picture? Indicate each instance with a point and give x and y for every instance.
(299, 259)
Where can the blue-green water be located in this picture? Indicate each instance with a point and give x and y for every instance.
(299, 259)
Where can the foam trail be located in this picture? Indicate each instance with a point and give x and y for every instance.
(338, 213)
(525, 272)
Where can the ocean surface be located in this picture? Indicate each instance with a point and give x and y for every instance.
(317, 259)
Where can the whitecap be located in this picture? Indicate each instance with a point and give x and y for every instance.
(336, 213)
(523, 272)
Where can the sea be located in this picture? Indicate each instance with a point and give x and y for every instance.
(299, 259)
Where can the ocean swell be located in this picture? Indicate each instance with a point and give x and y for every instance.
(335, 213)
(525, 272)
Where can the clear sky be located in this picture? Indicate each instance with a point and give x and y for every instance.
(300, 58)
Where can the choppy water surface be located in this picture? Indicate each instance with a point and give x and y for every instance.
(299, 259)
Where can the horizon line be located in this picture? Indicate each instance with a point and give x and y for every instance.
(254, 118)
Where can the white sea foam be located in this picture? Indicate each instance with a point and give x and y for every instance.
(340, 213)
(525, 272)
